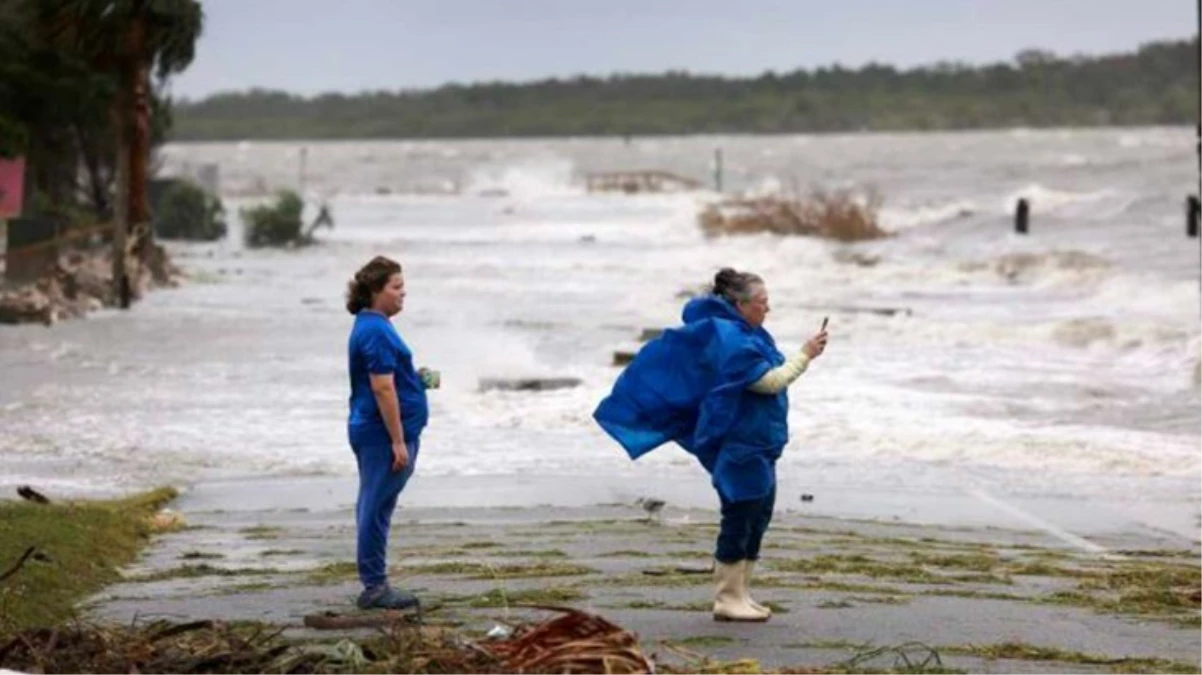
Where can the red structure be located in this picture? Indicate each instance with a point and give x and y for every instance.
(12, 186)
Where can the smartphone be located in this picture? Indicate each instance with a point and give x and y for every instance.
(824, 320)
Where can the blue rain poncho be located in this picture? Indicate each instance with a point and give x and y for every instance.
(690, 386)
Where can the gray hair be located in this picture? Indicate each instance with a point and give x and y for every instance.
(736, 286)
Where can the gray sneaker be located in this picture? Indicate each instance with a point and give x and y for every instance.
(387, 597)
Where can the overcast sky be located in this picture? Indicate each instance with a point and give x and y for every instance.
(313, 46)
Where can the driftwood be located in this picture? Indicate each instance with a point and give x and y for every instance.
(528, 383)
(851, 309)
(649, 334)
(621, 358)
(29, 494)
(334, 621)
(16, 567)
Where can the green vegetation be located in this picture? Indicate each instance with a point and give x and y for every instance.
(706, 640)
(499, 597)
(188, 212)
(262, 532)
(80, 547)
(276, 224)
(279, 224)
(334, 572)
(475, 570)
(69, 73)
(1025, 652)
(202, 570)
(1157, 84)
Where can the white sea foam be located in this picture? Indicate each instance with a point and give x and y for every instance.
(1046, 359)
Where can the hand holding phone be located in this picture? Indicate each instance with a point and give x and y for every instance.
(816, 345)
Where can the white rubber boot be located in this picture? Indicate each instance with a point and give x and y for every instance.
(747, 589)
(730, 594)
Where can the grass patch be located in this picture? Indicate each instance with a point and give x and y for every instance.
(828, 644)
(669, 580)
(704, 641)
(334, 572)
(882, 600)
(1153, 576)
(699, 606)
(978, 595)
(1194, 622)
(85, 543)
(841, 586)
(979, 562)
(481, 544)
(251, 587)
(1140, 589)
(1159, 553)
(641, 604)
(201, 570)
(1024, 652)
(1041, 568)
(499, 597)
(262, 532)
(541, 553)
(475, 570)
(859, 565)
(835, 604)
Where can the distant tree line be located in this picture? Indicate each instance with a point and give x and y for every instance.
(1157, 84)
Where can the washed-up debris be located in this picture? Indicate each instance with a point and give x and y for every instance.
(528, 383)
(196, 647)
(837, 215)
(30, 552)
(679, 569)
(574, 642)
(623, 357)
(571, 642)
(499, 632)
(31, 495)
(650, 334)
(632, 182)
(336, 621)
(78, 282)
(166, 520)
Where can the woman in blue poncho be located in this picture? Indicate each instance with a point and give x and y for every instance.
(717, 386)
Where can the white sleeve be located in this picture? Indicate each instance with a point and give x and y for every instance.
(776, 380)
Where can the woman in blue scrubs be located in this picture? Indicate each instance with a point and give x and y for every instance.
(388, 411)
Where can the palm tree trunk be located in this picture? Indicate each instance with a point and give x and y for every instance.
(139, 142)
(121, 286)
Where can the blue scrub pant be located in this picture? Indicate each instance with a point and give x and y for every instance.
(379, 487)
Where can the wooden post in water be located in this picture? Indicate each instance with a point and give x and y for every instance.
(304, 155)
(1192, 208)
(717, 169)
(1022, 215)
(1197, 48)
(121, 287)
